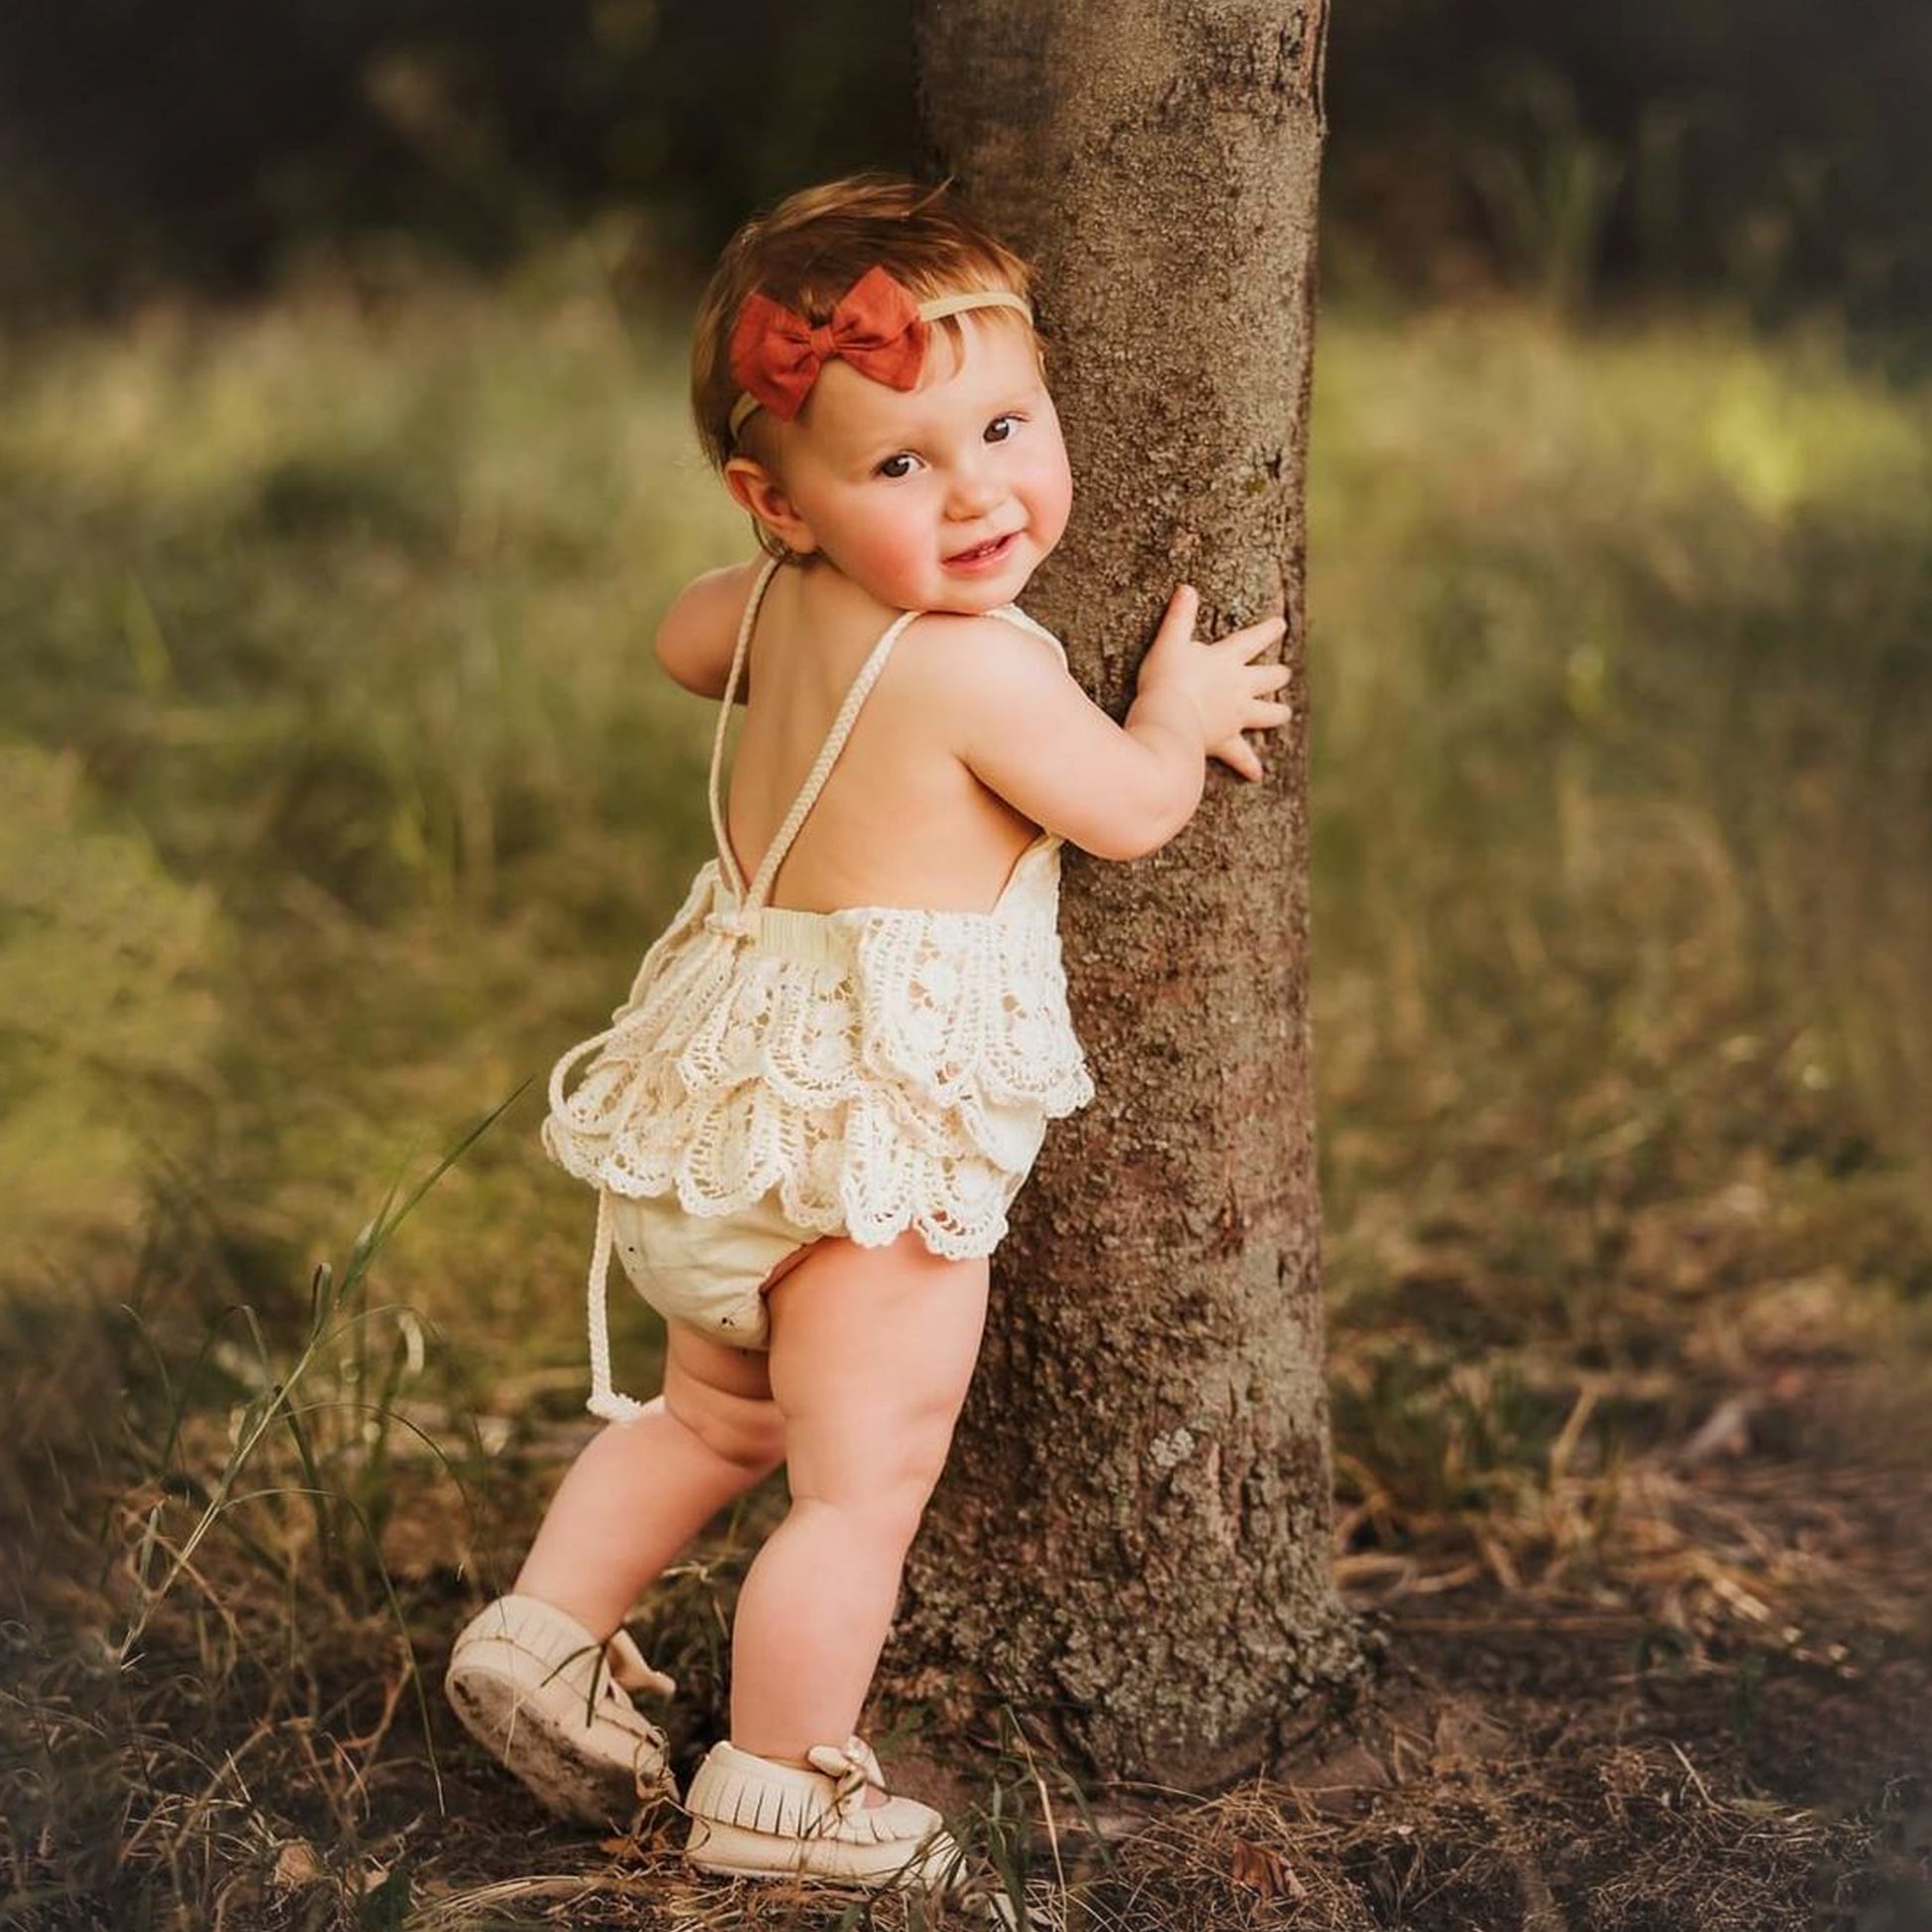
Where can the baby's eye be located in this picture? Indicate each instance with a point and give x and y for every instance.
(1001, 427)
(901, 465)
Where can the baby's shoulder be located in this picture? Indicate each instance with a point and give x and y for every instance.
(952, 648)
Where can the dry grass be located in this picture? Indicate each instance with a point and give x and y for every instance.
(1698, 1706)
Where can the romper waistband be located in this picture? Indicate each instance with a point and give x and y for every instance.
(795, 934)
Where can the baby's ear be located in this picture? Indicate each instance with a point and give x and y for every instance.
(758, 490)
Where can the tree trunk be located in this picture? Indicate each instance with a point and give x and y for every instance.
(1132, 1539)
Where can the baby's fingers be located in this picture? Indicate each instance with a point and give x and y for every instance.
(1183, 606)
(1238, 756)
(1253, 639)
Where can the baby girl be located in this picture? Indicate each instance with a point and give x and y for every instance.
(834, 1070)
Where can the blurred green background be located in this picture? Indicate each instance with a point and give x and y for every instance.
(344, 473)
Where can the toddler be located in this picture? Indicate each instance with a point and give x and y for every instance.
(835, 1068)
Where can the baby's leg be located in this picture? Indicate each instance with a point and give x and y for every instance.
(643, 1489)
(871, 1350)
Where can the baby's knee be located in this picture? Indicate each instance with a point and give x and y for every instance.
(891, 1501)
(744, 1431)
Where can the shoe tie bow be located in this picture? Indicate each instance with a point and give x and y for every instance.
(628, 1669)
(853, 1765)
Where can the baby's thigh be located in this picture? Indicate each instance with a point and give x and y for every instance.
(871, 1351)
(723, 1395)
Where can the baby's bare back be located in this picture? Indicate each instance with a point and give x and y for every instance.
(902, 820)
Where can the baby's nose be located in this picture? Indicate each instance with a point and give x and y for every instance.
(975, 490)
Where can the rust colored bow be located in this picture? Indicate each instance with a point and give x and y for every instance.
(776, 355)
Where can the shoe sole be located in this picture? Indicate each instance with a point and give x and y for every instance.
(571, 1782)
(734, 1851)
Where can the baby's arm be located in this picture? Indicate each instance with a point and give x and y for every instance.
(1027, 732)
(700, 631)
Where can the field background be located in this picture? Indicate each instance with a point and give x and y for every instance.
(341, 791)
(341, 487)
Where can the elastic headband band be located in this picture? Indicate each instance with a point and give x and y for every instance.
(936, 310)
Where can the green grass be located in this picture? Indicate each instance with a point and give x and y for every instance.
(1623, 674)
(338, 792)
(327, 636)
(348, 617)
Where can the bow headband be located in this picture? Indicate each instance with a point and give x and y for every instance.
(876, 325)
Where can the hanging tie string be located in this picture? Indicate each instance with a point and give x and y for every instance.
(605, 1401)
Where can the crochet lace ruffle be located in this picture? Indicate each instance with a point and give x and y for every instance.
(881, 1069)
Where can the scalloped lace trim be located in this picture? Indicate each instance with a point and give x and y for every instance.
(903, 1079)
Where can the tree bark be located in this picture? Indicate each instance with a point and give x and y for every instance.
(1131, 1541)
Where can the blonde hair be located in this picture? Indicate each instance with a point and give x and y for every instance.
(811, 249)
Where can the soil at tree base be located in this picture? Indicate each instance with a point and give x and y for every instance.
(1593, 1756)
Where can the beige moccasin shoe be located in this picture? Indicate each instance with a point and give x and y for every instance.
(551, 1704)
(755, 1818)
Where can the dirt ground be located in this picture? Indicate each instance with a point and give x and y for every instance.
(1658, 1749)
(1713, 1716)
(1513, 1760)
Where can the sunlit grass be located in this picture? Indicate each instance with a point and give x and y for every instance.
(1619, 667)
(348, 612)
(1622, 671)
(1622, 703)
(1623, 675)
(341, 609)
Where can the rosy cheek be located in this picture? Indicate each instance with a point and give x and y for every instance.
(1056, 495)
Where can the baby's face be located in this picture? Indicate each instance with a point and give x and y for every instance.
(941, 498)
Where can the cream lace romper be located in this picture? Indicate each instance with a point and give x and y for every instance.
(779, 1075)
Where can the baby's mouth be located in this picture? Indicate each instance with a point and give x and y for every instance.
(983, 553)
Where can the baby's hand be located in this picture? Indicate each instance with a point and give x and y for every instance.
(1225, 689)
